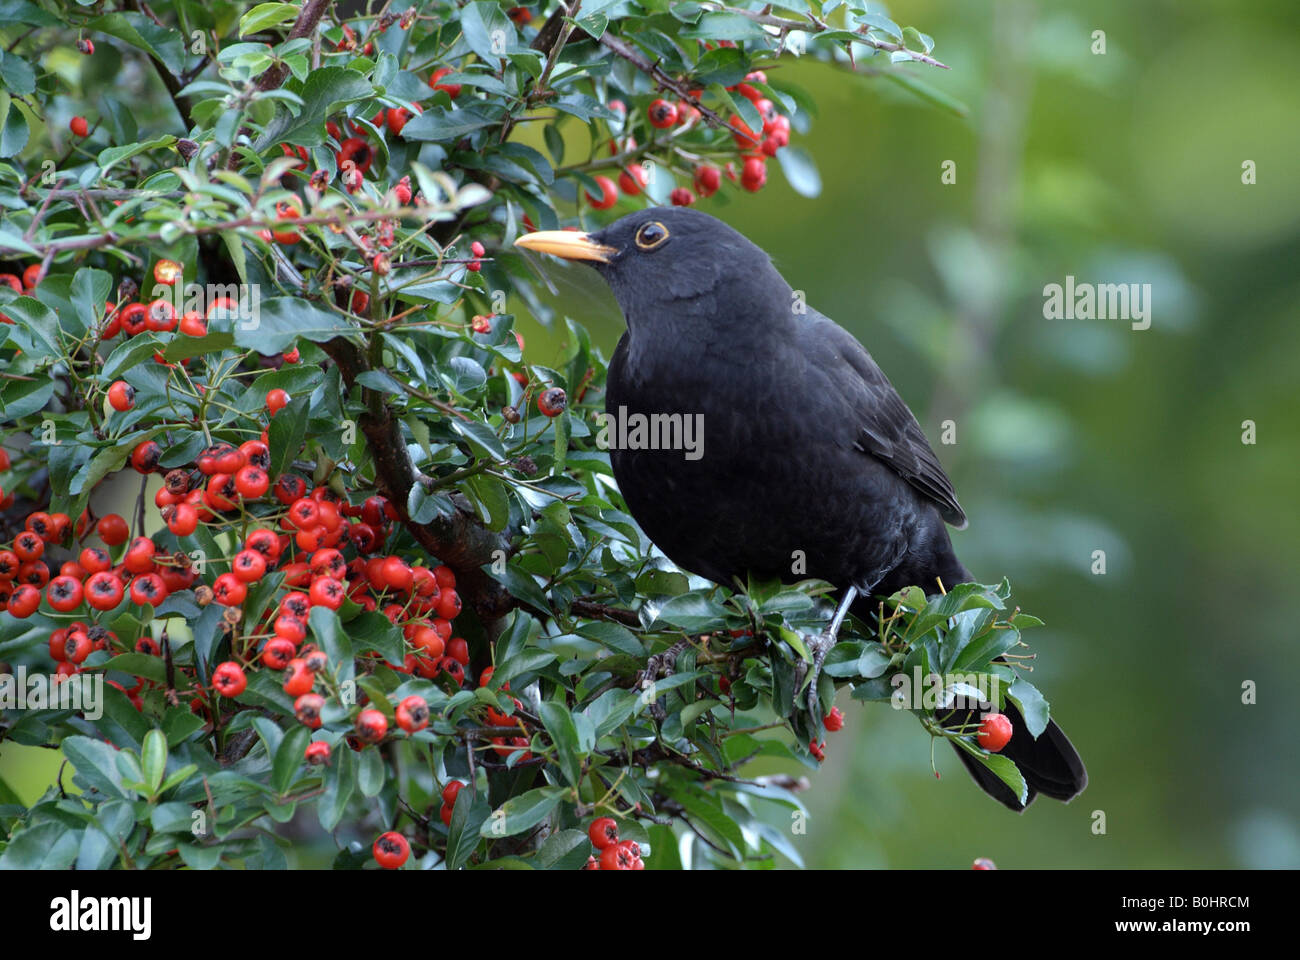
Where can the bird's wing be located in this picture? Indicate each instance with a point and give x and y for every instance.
(887, 428)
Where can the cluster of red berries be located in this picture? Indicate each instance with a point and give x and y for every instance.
(833, 722)
(755, 147)
(315, 527)
(28, 282)
(611, 853)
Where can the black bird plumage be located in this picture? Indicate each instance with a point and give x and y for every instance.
(807, 446)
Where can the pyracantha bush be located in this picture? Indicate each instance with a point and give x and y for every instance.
(278, 470)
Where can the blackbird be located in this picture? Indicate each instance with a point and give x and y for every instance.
(805, 461)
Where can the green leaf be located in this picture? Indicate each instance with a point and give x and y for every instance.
(564, 850)
(521, 585)
(90, 289)
(112, 156)
(522, 812)
(324, 92)
(615, 636)
(22, 398)
(266, 15)
(282, 320)
(1032, 706)
(694, 611)
(725, 26)
(289, 757)
(487, 30)
(16, 73)
(800, 171)
(930, 94)
(467, 817)
(38, 327)
(139, 665)
(371, 776)
(286, 433)
(38, 848)
(559, 724)
(480, 437)
(142, 33)
(153, 757)
(20, 11)
(374, 631)
(96, 764)
(439, 123)
(1004, 768)
(14, 134)
(324, 624)
(340, 781)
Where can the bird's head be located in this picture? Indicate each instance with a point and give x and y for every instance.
(665, 256)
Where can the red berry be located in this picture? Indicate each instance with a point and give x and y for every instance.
(278, 652)
(371, 725)
(621, 856)
(994, 732)
(79, 126)
(145, 457)
(183, 519)
(276, 400)
(458, 650)
(64, 593)
(24, 601)
(103, 591)
(452, 89)
(608, 194)
(121, 396)
(391, 850)
(834, 720)
(662, 114)
(707, 179)
(308, 706)
(603, 833)
(552, 402)
(228, 590)
(317, 753)
(681, 197)
(413, 713)
(451, 791)
(112, 529)
(86, 47)
(754, 174)
(631, 180)
(229, 680)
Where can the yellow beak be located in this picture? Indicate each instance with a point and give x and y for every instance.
(568, 244)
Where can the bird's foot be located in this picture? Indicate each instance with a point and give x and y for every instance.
(818, 647)
(660, 665)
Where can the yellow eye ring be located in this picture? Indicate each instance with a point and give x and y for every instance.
(650, 235)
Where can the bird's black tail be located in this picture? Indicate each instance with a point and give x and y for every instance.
(1049, 764)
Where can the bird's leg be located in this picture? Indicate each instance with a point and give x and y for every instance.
(821, 645)
(661, 664)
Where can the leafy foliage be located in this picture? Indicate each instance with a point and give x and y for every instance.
(271, 164)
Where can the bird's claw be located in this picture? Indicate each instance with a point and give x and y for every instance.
(818, 647)
(661, 664)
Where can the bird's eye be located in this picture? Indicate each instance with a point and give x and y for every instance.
(651, 235)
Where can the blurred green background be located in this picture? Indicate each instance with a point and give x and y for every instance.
(1072, 435)
(1075, 435)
